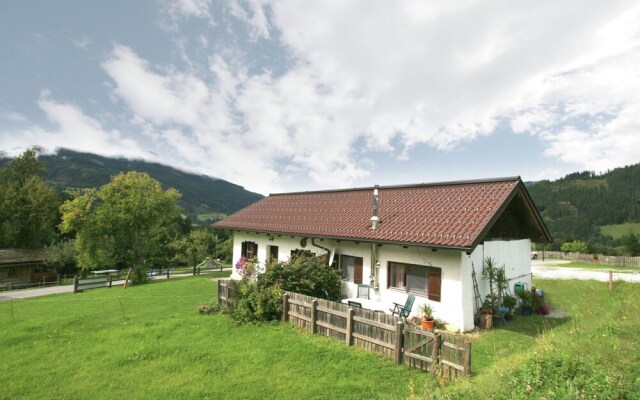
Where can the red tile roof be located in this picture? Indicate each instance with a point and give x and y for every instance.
(450, 215)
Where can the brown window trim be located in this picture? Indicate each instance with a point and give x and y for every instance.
(433, 280)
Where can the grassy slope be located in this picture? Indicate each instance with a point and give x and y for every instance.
(86, 346)
(157, 346)
(619, 230)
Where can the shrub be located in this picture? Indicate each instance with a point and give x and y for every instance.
(305, 274)
(255, 303)
(259, 298)
(139, 275)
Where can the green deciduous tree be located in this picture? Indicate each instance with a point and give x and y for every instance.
(192, 249)
(575, 246)
(631, 244)
(122, 224)
(62, 256)
(28, 206)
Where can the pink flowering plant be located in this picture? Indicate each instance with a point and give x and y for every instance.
(246, 268)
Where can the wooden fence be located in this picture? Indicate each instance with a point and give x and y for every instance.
(373, 331)
(225, 292)
(595, 259)
(91, 283)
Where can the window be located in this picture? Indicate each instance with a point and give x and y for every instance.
(273, 253)
(417, 279)
(249, 250)
(351, 268)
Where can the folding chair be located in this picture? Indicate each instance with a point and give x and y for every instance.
(403, 310)
(363, 291)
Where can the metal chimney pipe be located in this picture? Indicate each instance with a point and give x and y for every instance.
(374, 211)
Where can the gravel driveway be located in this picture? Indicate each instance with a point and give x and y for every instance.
(552, 269)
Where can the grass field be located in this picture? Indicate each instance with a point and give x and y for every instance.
(210, 216)
(617, 231)
(149, 342)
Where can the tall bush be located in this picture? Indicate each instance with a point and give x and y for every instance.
(305, 274)
(259, 298)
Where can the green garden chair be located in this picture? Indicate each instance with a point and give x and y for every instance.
(403, 310)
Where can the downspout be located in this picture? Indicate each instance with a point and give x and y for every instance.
(375, 265)
(330, 252)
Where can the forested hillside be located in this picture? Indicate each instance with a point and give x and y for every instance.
(576, 206)
(200, 193)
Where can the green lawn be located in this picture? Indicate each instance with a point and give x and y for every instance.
(210, 216)
(619, 230)
(149, 342)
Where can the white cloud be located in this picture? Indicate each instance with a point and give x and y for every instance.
(254, 16)
(178, 9)
(388, 76)
(411, 73)
(73, 130)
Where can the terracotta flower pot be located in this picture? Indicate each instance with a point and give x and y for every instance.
(427, 324)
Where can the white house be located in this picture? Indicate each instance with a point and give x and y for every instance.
(421, 239)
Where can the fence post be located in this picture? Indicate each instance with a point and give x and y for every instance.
(219, 291)
(285, 307)
(610, 280)
(75, 283)
(437, 343)
(314, 306)
(349, 326)
(467, 358)
(109, 280)
(399, 342)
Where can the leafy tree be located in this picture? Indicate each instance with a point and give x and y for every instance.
(631, 244)
(62, 256)
(305, 274)
(575, 246)
(224, 249)
(28, 206)
(123, 223)
(192, 249)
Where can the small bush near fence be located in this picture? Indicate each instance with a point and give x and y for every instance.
(373, 331)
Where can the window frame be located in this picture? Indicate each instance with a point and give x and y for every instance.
(358, 266)
(399, 274)
(247, 250)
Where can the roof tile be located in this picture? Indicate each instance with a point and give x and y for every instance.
(445, 215)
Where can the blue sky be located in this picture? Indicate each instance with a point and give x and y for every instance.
(288, 96)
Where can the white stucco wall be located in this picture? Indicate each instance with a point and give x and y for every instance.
(514, 255)
(456, 307)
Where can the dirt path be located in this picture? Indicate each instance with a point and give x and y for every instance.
(553, 269)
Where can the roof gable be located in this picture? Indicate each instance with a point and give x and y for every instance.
(449, 215)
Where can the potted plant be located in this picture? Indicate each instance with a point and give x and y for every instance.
(486, 306)
(509, 302)
(427, 317)
(525, 303)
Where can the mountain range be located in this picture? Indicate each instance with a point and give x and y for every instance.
(201, 194)
(574, 207)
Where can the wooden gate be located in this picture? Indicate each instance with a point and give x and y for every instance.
(225, 292)
(421, 348)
